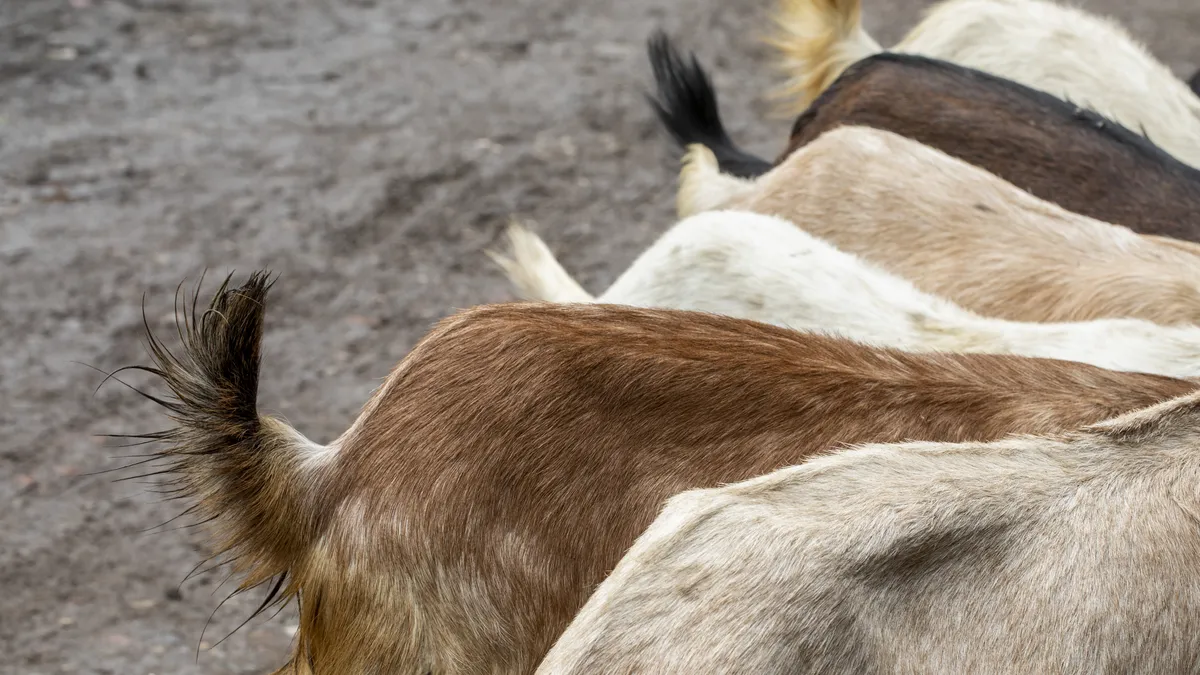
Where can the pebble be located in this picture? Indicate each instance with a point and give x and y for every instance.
(63, 54)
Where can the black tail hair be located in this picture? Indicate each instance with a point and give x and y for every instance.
(686, 104)
(1194, 82)
(237, 467)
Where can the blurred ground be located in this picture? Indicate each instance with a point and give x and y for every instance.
(366, 150)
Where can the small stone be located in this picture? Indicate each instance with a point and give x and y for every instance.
(568, 147)
(118, 640)
(174, 594)
(614, 50)
(63, 54)
(142, 604)
(66, 621)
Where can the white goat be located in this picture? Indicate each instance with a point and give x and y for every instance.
(758, 267)
(1068, 554)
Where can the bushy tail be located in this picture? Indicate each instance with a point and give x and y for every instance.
(686, 104)
(242, 471)
(534, 270)
(819, 39)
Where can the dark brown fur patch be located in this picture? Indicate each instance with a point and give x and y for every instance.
(1050, 148)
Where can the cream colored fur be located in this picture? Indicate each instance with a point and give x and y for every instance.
(1071, 554)
(762, 268)
(1064, 51)
(957, 231)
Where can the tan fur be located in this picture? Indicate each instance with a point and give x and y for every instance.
(534, 255)
(817, 40)
(512, 457)
(701, 190)
(958, 232)
(1070, 553)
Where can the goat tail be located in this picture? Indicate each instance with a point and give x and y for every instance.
(533, 269)
(686, 104)
(818, 39)
(253, 477)
(702, 185)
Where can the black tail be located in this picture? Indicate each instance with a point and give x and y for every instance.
(1194, 83)
(686, 104)
(242, 471)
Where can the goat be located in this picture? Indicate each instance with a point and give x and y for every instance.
(957, 231)
(762, 268)
(1068, 553)
(1051, 149)
(510, 459)
(1061, 50)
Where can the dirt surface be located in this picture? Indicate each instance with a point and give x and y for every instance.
(367, 151)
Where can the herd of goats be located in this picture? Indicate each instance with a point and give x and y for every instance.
(918, 397)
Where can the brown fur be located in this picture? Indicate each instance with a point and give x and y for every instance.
(958, 232)
(1054, 150)
(1051, 149)
(508, 462)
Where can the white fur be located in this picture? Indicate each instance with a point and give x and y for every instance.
(758, 267)
(1030, 555)
(1065, 51)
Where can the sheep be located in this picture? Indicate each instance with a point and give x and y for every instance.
(1064, 51)
(506, 464)
(1061, 553)
(763, 268)
(957, 231)
(1059, 152)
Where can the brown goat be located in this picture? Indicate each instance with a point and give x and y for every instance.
(959, 232)
(507, 463)
(1052, 149)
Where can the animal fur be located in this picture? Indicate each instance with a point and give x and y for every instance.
(507, 463)
(762, 268)
(958, 232)
(1054, 150)
(1064, 51)
(1065, 553)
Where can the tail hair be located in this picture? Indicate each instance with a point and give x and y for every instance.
(239, 469)
(818, 39)
(533, 269)
(1194, 82)
(686, 104)
(702, 185)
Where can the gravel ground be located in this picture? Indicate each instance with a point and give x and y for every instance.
(367, 151)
